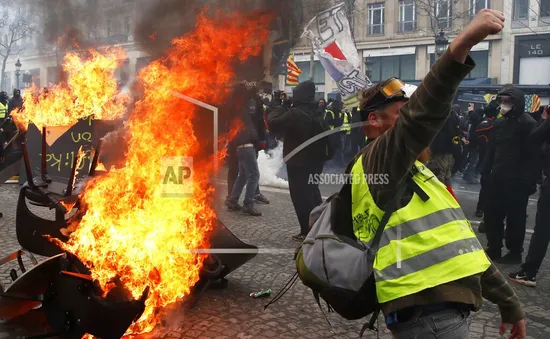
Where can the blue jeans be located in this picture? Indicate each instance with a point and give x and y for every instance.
(249, 176)
(450, 323)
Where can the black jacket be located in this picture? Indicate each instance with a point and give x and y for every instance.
(510, 157)
(475, 118)
(540, 141)
(296, 124)
(15, 102)
(447, 140)
(251, 132)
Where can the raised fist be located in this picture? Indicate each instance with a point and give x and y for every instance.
(485, 23)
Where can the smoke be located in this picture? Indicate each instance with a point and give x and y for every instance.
(161, 21)
(269, 165)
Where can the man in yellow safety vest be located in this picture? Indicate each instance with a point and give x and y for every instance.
(430, 270)
(3, 106)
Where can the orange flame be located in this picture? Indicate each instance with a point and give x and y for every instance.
(130, 231)
(91, 89)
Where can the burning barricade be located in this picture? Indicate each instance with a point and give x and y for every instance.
(129, 242)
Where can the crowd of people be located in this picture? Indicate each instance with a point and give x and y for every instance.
(499, 146)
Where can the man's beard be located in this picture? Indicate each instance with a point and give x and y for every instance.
(425, 156)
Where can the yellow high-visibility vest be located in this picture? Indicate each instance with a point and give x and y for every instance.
(424, 244)
(3, 110)
(332, 113)
(346, 125)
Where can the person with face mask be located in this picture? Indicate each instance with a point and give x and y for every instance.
(527, 275)
(440, 272)
(16, 101)
(511, 177)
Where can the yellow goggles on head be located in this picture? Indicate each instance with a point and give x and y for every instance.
(393, 87)
(391, 90)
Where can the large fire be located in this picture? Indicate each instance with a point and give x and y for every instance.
(91, 89)
(130, 232)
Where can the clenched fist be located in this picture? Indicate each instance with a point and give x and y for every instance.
(485, 23)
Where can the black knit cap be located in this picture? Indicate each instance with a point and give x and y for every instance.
(304, 92)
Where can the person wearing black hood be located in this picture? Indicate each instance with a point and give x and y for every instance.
(510, 176)
(483, 133)
(16, 101)
(245, 144)
(296, 124)
(539, 139)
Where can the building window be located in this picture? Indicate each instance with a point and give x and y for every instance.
(443, 13)
(481, 58)
(521, 9)
(478, 5)
(407, 16)
(544, 7)
(318, 72)
(401, 66)
(376, 18)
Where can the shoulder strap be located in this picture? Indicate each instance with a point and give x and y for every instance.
(391, 207)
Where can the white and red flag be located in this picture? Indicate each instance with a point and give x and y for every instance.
(333, 44)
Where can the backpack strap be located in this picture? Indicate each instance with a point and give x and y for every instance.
(391, 207)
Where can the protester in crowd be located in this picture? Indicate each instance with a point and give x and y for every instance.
(261, 127)
(346, 132)
(322, 108)
(460, 274)
(527, 275)
(475, 118)
(3, 106)
(334, 119)
(444, 148)
(245, 142)
(297, 126)
(16, 102)
(512, 178)
(461, 155)
(484, 133)
(357, 135)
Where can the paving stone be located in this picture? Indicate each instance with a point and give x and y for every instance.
(231, 313)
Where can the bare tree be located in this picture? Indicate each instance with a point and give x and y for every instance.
(14, 27)
(441, 14)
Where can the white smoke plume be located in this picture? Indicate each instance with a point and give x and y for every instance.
(269, 164)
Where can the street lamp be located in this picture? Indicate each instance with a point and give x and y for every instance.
(18, 71)
(368, 64)
(441, 43)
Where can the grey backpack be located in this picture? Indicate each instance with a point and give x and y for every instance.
(337, 266)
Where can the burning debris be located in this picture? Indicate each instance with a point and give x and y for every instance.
(132, 234)
(91, 90)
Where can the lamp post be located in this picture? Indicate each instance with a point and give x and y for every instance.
(368, 64)
(18, 71)
(441, 43)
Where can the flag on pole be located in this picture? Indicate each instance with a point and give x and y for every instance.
(332, 41)
(292, 72)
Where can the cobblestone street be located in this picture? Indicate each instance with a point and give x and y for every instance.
(232, 313)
